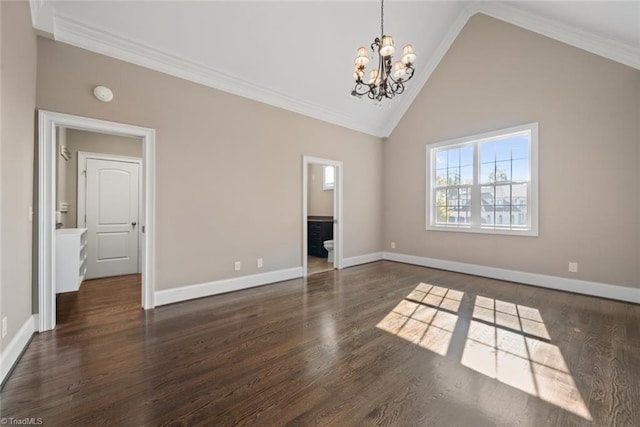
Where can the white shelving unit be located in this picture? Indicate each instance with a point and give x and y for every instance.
(71, 258)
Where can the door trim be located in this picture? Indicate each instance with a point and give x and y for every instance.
(81, 180)
(338, 227)
(47, 122)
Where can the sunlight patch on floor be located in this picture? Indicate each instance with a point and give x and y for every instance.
(426, 317)
(510, 343)
(505, 341)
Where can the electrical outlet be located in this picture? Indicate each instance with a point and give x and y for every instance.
(4, 327)
(237, 266)
(393, 245)
(573, 267)
(259, 262)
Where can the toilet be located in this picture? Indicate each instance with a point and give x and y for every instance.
(328, 245)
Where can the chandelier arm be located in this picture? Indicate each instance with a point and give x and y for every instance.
(375, 45)
(409, 71)
(397, 86)
(360, 85)
(402, 80)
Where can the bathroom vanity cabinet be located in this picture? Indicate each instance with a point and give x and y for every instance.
(319, 229)
(71, 258)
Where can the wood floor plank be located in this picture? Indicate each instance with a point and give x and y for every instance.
(322, 351)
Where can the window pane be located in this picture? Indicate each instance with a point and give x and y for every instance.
(487, 217)
(503, 171)
(503, 149)
(441, 159)
(487, 152)
(502, 195)
(519, 194)
(453, 176)
(519, 214)
(452, 216)
(520, 147)
(441, 197)
(441, 177)
(453, 157)
(488, 196)
(520, 170)
(441, 215)
(487, 173)
(465, 195)
(329, 176)
(466, 156)
(466, 175)
(465, 204)
(452, 197)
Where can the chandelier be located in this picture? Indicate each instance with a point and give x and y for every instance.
(387, 80)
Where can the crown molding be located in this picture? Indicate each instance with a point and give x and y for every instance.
(42, 17)
(599, 45)
(70, 31)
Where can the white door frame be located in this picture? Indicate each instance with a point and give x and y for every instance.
(47, 123)
(338, 227)
(81, 180)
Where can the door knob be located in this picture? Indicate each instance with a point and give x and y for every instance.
(133, 224)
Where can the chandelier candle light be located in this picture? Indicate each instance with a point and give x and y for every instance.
(386, 81)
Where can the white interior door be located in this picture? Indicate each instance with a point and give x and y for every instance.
(112, 217)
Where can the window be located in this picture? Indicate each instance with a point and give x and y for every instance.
(485, 183)
(328, 177)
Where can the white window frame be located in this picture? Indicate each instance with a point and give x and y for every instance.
(476, 226)
(328, 186)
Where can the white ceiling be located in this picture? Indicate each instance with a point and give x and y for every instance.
(298, 55)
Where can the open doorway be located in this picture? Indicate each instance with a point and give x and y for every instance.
(98, 206)
(322, 215)
(321, 185)
(82, 214)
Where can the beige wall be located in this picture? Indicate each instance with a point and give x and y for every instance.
(320, 201)
(91, 142)
(17, 148)
(228, 169)
(497, 75)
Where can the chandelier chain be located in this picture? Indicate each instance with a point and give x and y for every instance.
(382, 18)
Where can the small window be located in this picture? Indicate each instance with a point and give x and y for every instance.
(485, 183)
(328, 177)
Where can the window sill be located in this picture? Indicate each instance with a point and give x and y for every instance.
(504, 232)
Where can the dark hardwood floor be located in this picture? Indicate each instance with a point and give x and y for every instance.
(378, 344)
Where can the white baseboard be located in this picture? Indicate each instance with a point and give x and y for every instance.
(361, 259)
(603, 290)
(200, 290)
(13, 351)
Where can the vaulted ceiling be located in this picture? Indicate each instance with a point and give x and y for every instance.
(298, 55)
